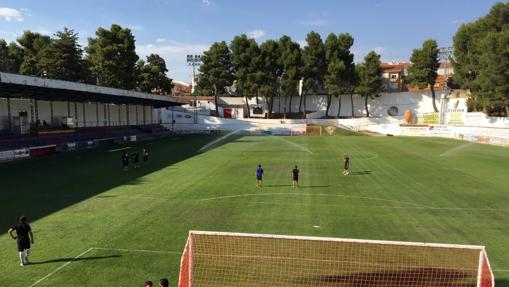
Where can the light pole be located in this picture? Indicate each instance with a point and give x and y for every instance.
(445, 54)
(194, 61)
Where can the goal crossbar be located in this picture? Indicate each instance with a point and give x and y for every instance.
(244, 259)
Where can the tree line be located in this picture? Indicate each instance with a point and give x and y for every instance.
(275, 68)
(282, 69)
(109, 59)
(481, 64)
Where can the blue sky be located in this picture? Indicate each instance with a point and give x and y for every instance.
(174, 28)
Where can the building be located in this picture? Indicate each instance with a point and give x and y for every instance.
(180, 89)
(394, 74)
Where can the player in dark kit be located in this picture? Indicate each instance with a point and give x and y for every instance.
(24, 237)
(145, 155)
(135, 156)
(295, 173)
(259, 176)
(125, 161)
(346, 165)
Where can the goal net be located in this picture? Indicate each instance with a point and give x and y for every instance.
(237, 259)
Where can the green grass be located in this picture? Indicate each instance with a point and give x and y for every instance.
(400, 189)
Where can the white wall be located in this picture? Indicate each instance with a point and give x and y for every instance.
(420, 102)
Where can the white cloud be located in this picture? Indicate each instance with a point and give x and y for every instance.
(172, 49)
(255, 34)
(302, 43)
(161, 40)
(10, 14)
(206, 2)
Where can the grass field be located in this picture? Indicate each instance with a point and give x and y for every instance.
(123, 228)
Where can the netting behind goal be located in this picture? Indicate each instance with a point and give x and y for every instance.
(236, 259)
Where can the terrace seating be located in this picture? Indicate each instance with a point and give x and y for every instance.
(10, 141)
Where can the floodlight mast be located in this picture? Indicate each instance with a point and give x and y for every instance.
(445, 54)
(194, 61)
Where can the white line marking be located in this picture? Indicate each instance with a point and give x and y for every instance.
(119, 149)
(207, 146)
(455, 149)
(137, 250)
(292, 143)
(62, 266)
(500, 270)
(299, 194)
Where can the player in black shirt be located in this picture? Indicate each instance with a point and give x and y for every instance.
(24, 237)
(295, 173)
(135, 156)
(346, 165)
(145, 155)
(125, 161)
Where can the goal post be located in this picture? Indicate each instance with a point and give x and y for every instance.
(239, 259)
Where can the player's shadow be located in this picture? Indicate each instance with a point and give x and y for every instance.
(363, 172)
(289, 185)
(74, 259)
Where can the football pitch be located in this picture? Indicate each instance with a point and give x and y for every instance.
(96, 225)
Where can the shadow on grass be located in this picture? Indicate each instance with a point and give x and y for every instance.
(74, 259)
(501, 282)
(301, 186)
(405, 277)
(364, 172)
(277, 185)
(42, 186)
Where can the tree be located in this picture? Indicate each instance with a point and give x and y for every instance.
(291, 62)
(113, 58)
(217, 69)
(340, 76)
(470, 44)
(493, 78)
(314, 65)
(4, 56)
(423, 72)
(16, 56)
(63, 58)
(371, 82)
(152, 75)
(349, 78)
(33, 45)
(245, 60)
(270, 72)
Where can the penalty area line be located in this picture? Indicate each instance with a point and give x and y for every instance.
(137, 250)
(62, 266)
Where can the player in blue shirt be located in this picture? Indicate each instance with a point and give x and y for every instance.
(259, 176)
